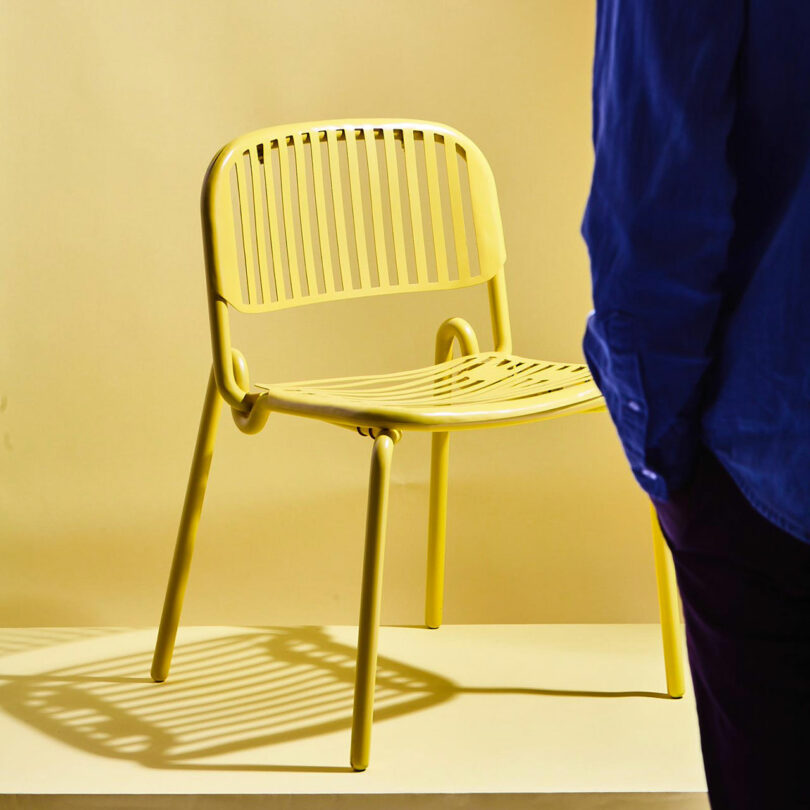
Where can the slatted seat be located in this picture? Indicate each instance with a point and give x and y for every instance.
(326, 211)
(468, 391)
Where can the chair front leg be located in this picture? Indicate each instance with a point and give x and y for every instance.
(189, 520)
(366, 671)
(668, 608)
(437, 529)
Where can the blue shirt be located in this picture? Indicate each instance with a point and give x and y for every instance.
(698, 230)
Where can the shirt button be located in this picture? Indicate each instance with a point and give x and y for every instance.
(649, 473)
(633, 405)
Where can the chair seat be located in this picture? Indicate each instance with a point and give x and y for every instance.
(470, 391)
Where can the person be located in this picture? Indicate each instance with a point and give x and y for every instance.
(698, 230)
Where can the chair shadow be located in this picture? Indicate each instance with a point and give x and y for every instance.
(21, 639)
(228, 694)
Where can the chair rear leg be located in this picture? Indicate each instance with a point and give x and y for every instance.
(189, 520)
(365, 673)
(437, 528)
(668, 607)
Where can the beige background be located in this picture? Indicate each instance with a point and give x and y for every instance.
(112, 111)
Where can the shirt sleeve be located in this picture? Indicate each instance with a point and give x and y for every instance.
(659, 220)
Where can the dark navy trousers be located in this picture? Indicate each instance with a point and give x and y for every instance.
(745, 590)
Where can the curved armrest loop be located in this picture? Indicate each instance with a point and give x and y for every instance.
(455, 329)
(254, 417)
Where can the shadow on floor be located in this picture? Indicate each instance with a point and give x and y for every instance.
(228, 694)
(21, 639)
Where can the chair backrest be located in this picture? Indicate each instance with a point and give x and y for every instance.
(321, 211)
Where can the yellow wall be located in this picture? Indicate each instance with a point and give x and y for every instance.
(111, 112)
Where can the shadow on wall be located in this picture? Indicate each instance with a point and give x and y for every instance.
(227, 694)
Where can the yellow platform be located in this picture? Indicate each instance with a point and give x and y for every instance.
(473, 716)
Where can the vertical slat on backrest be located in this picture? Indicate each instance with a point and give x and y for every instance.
(457, 208)
(416, 208)
(303, 210)
(337, 204)
(434, 194)
(272, 217)
(258, 219)
(392, 172)
(320, 208)
(357, 207)
(289, 222)
(247, 238)
(376, 206)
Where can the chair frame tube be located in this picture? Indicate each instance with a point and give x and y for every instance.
(187, 532)
(453, 329)
(668, 609)
(371, 597)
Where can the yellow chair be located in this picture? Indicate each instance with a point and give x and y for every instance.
(330, 210)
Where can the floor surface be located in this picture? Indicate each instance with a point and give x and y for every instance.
(487, 715)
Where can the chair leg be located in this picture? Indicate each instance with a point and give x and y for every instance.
(189, 520)
(668, 607)
(437, 523)
(365, 674)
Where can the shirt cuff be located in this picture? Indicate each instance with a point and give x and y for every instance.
(616, 368)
